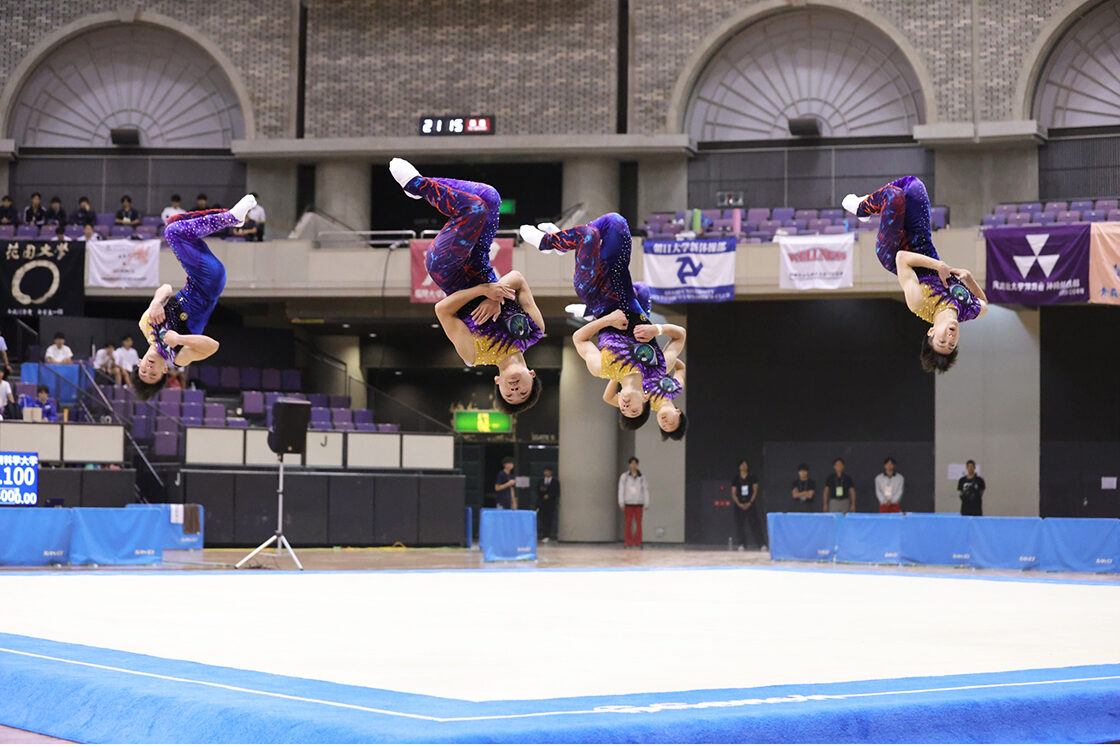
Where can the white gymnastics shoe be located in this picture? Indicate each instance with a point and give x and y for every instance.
(549, 227)
(532, 235)
(404, 172)
(242, 208)
(852, 202)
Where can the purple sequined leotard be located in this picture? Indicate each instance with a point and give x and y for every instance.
(459, 258)
(904, 226)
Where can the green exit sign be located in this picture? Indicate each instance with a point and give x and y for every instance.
(507, 207)
(483, 421)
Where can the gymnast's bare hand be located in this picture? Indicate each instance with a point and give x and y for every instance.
(944, 271)
(499, 291)
(645, 332)
(155, 314)
(963, 275)
(617, 319)
(487, 310)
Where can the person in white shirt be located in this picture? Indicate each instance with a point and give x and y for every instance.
(633, 497)
(888, 488)
(257, 215)
(172, 210)
(59, 352)
(6, 395)
(4, 354)
(105, 361)
(126, 358)
(88, 234)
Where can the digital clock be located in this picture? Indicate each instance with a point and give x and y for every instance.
(476, 125)
(19, 479)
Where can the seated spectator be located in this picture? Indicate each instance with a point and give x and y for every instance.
(56, 216)
(6, 396)
(88, 234)
(50, 413)
(34, 214)
(175, 208)
(127, 215)
(105, 362)
(174, 379)
(59, 352)
(59, 233)
(248, 230)
(8, 214)
(126, 358)
(257, 215)
(84, 215)
(200, 202)
(4, 354)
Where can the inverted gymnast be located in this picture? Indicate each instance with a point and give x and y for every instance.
(941, 295)
(490, 321)
(620, 307)
(173, 324)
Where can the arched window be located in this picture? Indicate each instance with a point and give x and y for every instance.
(1080, 83)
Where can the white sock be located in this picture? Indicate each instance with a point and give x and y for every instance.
(242, 208)
(404, 172)
(532, 235)
(852, 202)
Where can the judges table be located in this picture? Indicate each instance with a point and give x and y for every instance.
(507, 535)
(1080, 545)
(81, 536)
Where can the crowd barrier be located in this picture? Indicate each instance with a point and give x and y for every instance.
(1020, 543)
(81, 536)
(507, 535)
(174, 538)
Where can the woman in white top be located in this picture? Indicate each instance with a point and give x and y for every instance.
(5, 392)
(633, 497)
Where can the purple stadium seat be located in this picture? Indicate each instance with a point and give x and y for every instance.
(833, 214)
(1068, 216)
(662, 236)
(757, 215)
(142, 428)
(192, 420)
(214, 422)
(208, 376)
(366, 427)
(103, 229)
(801, 224)
(25, 388)
(192, 410)
(1018, 219)
(712, 215)
(1030, 207)
(791, 231)
(1057, 207)
(682, 215)
(250, 378)
(341, 415)
(343, 426)
(1081, 206)
(321, 415)
(339, 400)
(996, 219)
(27, 232)
(252, 403)
(723, 226)
(193, 395)
(151, 220)
(1106, 205)
(759, 236)
(166, 424)
(319, 400)
(1095, 216)
(7, 231)
(229, 377)
(729, 213)
(146, 232)
(171, 395)
(105, 219)
(1114, 215)
(834, 229)
(120, 232)
(167, 444)
(146, 409)
(170, 409)
(291, 381)
(819, 224)
(234, 422)
(782, 214)
(1006, 209)
(270, 379)
(388, 428)
(752, 240)
(806, 215)
(120, 408)
(1042, 217)
(363, 416)
(769, 226)
(660, 217)
(938, 217)
(212, 410)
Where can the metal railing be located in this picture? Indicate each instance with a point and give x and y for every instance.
(325, 373)
(388, 409)
(23, 329)
(371, 239)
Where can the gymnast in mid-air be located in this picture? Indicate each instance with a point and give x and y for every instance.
(489, 320)
(941, 295)
(624, 349)
(174, 322)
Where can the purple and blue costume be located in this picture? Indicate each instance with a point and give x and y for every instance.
(459, 258)
(904, 226)
(188, 310)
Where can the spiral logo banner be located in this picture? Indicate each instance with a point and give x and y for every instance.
(42, 278)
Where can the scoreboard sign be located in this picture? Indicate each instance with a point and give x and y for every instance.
(476, 125)
(19, 479)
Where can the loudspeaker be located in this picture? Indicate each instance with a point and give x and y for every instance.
(125, 136)
(289, 426)
(805, 127)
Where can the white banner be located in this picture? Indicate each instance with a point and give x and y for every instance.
(817, 262)
(123, 263)
(701, 270)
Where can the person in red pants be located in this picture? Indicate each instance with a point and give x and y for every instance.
(633, 496)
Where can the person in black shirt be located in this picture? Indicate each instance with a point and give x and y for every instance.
(8, 214)
(548, 495)
(744, 508)
(55, 214)
(504, 497)
(84, 215)
(839, 490)
(34, 214)
(804, 490)
(971, 488)
(127, 215)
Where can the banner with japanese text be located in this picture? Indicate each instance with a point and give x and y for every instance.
(1038, 266)
(42, 278)
(123, 263)
(424, 289)
(822, 262)
(1104, 264)
(690, 270)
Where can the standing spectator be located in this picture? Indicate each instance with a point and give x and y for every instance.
(127, 215)
(971, 488)
(839, 490)
(200, 202)
(504, 495)
(6, 396)
(548, 495)
(744, 496)
(84, 215)
(888, 488)
(8, 214)
(4, 354)
(804, 488)
(56, 216)
(59, 352)
(258, 216)
(633, 496)
(50, 412)
(126, 358)
(105, 361)
(34, 214)
(175, 208)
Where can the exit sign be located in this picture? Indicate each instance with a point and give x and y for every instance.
(483, 421)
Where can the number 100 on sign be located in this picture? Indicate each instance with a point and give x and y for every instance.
(19, 479)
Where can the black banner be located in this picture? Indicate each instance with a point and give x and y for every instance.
(43, 278)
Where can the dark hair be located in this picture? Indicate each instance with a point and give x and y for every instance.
(176, 198)
(126, 197)
(633, 424)
(58, 335)
(889, 459)
(6, 197)
(633, 459)
(144, 390)
(60, 230)
(838, 459)
(126, 337)
(970, 461)
(43, 388)
(509, 407)
(507, 460)
(57, 199)
(744, 461)
(36, 194)
(680, 430)
(201, 196)
(803, 466)
(933, 361)
(82, 199)
(549, 469)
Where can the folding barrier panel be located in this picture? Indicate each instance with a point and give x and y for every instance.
(172, 520)
(1083, 545)
(34, 536)
(935, 539)
(869, 538)
(116, 536)
(802, 536)
(508, 535)
(1005, 542)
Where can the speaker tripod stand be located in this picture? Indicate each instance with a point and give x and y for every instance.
(281, 541)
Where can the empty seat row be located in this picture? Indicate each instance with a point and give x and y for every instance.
(233, 377)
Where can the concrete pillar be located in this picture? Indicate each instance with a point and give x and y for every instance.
(662, 184)
(971, 181)
(662, 462)
(987, 409)
(588, 441)
(342, 190)
(592, 181)
(276, 185)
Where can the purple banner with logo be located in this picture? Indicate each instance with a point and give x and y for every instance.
(1038, 266)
